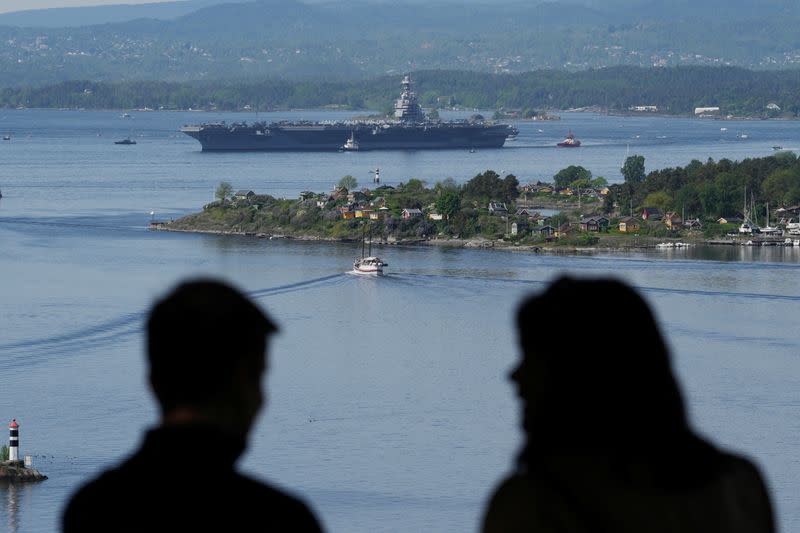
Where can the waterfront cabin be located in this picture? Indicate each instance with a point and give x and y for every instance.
(545, 231)
(435, 216)
(692, 223)
(730, 220)
(629, 225)
(594, 224)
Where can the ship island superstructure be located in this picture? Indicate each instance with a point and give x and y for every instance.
(410, 130)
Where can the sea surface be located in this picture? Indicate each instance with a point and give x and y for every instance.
(389, 407)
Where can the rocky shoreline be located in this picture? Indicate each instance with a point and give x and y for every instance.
(16, 471)
(618, 244)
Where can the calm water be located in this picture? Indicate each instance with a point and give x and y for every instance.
(389, 408)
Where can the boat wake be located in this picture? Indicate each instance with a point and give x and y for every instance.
(111, 332)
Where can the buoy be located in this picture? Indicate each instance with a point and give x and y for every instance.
(13, 440)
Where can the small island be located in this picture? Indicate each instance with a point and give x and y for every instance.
(16, 471)
(700, 203)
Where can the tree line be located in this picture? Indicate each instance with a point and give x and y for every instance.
(712, 189)
(676, 90)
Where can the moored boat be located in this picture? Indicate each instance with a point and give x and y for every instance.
(125, 141)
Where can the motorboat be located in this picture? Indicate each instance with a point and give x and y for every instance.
(125, 141)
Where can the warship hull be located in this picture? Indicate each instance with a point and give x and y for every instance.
(330, 138)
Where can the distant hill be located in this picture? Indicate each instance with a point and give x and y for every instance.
(86, 16)
(341, 40)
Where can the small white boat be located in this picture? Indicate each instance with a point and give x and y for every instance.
(351, 145)
(723, 130)
(369, 265)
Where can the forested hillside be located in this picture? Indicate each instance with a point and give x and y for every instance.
(674, 90)
(358, 39)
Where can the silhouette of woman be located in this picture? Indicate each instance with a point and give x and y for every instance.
(608, 446)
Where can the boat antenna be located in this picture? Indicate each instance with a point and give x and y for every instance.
(363, 231)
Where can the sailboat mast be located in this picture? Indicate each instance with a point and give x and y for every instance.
(370, 241)
(363, 231)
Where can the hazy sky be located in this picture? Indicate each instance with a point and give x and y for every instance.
(19, 5)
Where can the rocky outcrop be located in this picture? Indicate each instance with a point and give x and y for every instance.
(17, 471)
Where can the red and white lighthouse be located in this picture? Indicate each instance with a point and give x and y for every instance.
(13, 440)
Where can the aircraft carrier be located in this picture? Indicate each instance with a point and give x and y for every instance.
(410, 130)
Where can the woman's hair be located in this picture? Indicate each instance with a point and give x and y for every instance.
(595, 368)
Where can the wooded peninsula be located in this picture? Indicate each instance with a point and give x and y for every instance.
(698, 202)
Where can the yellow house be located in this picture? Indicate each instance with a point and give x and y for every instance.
(348, 214)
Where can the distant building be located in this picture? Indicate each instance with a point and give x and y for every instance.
(435, 216)
(497, 208)
(545, 230)
(692, 223)
(673, 220)
(629, 225)
(410, 212)
(730, 220)
(644, 108)
(651, 213)
(594, 223)
(706, 110)
(243, 195)
(772, 106)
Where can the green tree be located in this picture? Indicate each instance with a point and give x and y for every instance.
(599, 181)
(660, 199)
(510, 188)
(448, 203)
(566, 176)
(633, 169)
(224, 191)
(348, 182)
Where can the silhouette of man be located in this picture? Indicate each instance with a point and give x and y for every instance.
(206, 350)
(608, 446)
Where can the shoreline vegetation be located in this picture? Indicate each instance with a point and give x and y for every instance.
(675, 91)
(702, 203)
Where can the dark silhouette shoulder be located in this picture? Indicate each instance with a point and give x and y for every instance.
(161, 489)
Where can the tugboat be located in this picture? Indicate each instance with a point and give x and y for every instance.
(569, 142)
(125, 141)
(351, 145)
